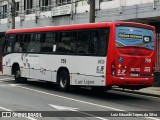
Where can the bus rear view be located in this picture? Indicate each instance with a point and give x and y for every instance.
(132, 65)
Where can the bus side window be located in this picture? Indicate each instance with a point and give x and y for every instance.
(103, 42)
(87, 42)
(49, 42)
(34, 44)
(9, 43)
(17, 47)
(93, 42)
(67, 42)
(25, 42)
(82, 42)
(20, 43)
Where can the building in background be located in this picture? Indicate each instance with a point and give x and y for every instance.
(34, 13)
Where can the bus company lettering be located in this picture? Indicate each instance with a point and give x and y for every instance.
(122, 35)
(84, 82)
(33, 55)
(29, 59)
(135, 69)
(147, 69)
(101, 61)
(100, 69)
(148, 60)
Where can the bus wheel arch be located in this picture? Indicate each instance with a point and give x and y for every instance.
(63, 79)
(17, 74)
(15, 67)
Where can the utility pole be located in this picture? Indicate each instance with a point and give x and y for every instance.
(13, 11)
(92, 11)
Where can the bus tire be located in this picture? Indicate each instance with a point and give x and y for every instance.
(64, 80)
(18, 77)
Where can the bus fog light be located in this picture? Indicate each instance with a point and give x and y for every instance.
(113, 73)
(113, 69)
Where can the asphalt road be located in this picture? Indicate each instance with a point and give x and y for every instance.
(78, 104)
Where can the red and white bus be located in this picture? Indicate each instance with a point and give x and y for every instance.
(99, 55)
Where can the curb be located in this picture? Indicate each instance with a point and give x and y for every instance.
(136, 92)
(2, 74)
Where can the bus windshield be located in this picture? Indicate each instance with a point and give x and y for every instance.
(129, 36)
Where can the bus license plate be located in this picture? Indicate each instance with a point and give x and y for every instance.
(134, 75)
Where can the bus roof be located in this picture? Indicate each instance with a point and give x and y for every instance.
(74, 27)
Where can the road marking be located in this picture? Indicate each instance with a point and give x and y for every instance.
(13, 111)
(102, 106)
(80, 101)
(5, 109)
(72, 99)
(62, 107)
(14, 85)
(6, 79)
(152, 118)
(74, 109)
(5, 85)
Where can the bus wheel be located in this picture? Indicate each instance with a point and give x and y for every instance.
(63, 81)
(18, 77)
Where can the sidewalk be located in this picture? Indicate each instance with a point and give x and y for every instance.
(149, 91)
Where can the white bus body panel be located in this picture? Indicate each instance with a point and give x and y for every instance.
(84, 70)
